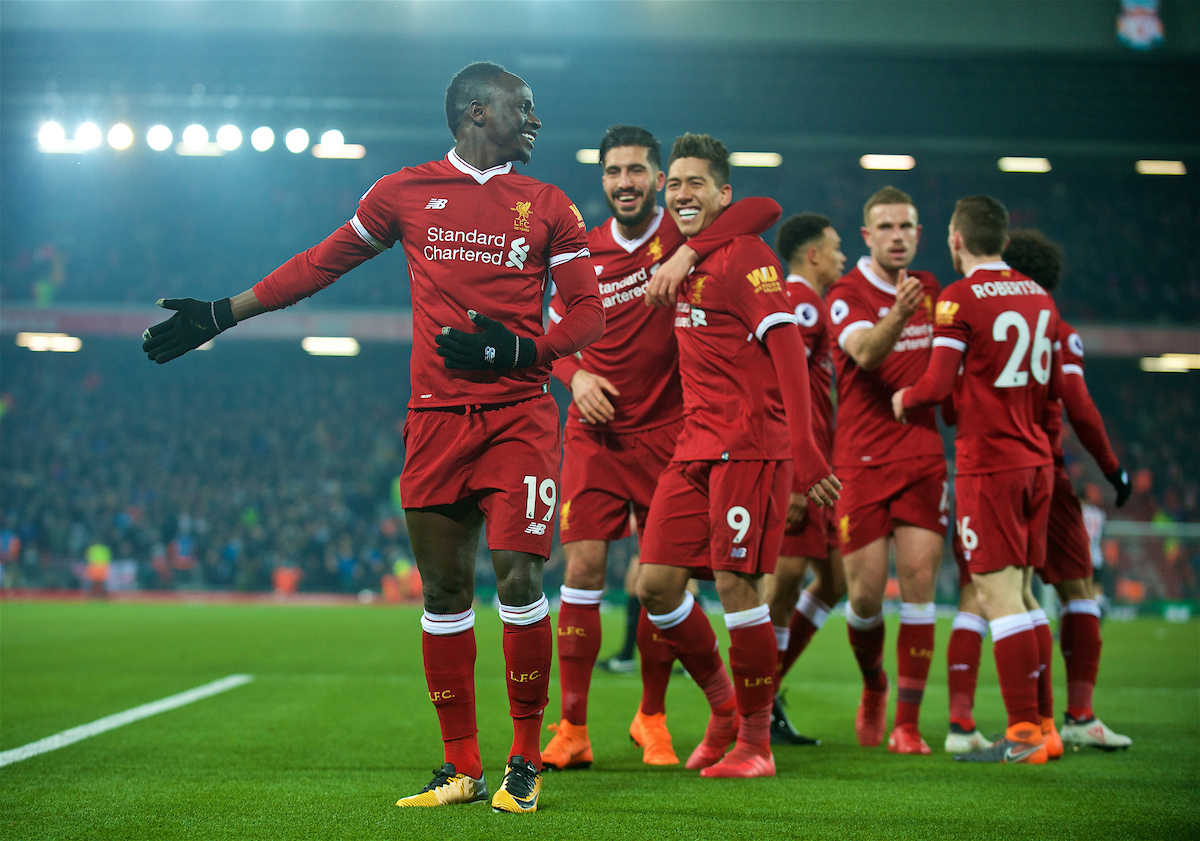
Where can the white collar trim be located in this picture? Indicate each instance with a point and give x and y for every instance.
(864, 266)
(799, 278)
(480, 175)
(997, 266)
(632, 245)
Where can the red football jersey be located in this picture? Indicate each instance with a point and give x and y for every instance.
(1004, 324)
(1085, 418)
(732, 405)
(813, 318)
(867, 432)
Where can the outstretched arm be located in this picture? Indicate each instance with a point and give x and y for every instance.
(935, 384)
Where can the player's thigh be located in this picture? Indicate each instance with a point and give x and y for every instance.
(782, 590)
(747, 511)
(677, 527)
(924, 500)
(918, 556)
(861, 513)
(1039, 496)
(866, 571)
(1068, 550)
(650, 454)
(444, 540)
(1000, 592)
(595, 487)
(829, 583)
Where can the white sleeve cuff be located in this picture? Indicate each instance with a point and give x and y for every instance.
(554, 316)
(773, 320)
(1073, 369)
(559, 259)
(366, 235)
(946, 341)
(850, 329)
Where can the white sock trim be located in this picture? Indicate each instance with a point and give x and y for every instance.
(1007, 626)
(918, 613)
(858, 623)
(783, 637)
(964, 621)
(445, 624)
(670, 620)
(584, 598)
(815, 610)
(1038, 617)
(748, 618)
(526, 614)
(1090, 606)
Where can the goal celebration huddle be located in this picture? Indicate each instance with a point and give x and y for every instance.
(757, 414)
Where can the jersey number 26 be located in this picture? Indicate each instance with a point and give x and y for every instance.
(1039, 360)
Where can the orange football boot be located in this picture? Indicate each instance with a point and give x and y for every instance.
(649, 732)
(569, 749)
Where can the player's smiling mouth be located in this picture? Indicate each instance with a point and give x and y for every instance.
(627, 197)
(688, 212)
(529, 135)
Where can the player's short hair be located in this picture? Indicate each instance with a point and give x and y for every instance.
(474, 82)
(706, 149)
(887, 195)
(983, 222)
(618, 136)
(1036, 256)
(799, 232)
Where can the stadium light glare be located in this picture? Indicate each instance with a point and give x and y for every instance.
(755, 159)
(887, 162)
(57, 342)
(332, 139)
(1161, 168)
(1024, 164)
(588, 156)
(330, 346)
(1171, 363)
(229, 137)
(262, 138)
(296, 140)
(195, 137)
(120, 136)
(88, 136)
(159, 138)
(51, 137)
(350, 151)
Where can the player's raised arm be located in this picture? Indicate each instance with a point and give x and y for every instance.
(869, 346)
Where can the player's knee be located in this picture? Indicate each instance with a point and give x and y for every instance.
(585, 571)
(829, 589)
(865, 605)
(1074, 588)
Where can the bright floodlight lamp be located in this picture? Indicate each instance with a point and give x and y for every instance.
(51, 136)
(296, 140)
(262, 138)
(229, 137)
(195, 136)
(159, 138)
(120, 136)
(333, 139)
(88, 136)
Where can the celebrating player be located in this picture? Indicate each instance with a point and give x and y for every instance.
(624, 419)
(720, 505)
(998, 326)
(812, 251)
(881, 316)
(482, 432)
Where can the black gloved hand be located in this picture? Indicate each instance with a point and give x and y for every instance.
(1119, 479)
(193, 324)
(496, 348)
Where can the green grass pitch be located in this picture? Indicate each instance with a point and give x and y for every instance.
(336, 726)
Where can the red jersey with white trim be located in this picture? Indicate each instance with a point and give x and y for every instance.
(1081, 411)
(813, 318)
(732, 405)
(1005, 324)
(1070, 347)
(867, 432)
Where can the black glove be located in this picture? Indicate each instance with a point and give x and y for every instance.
(193, 324)
(496, 348)
(1119, 479)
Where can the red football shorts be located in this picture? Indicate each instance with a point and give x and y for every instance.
(1068, 551)
(876, 499)
(506, 458)
(726, 515)
(964, 572)
(1002, 517)
(605, 474)
(813, 538)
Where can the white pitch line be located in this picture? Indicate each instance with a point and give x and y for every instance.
(111, 722)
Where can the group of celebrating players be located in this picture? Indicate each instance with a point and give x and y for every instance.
(700, 375)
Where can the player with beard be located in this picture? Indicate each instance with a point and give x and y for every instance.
(623, 422)
(881, 316)
(481, 435)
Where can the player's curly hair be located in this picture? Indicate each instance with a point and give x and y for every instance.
(983, 222)
(886, 195)
(799, 232)
(474, 82)
(1036, 256)
(618, 136)
(706, 149)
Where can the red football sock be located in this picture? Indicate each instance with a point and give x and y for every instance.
(1041, 627)
(692, 641)
(578, 648)
(962, 667)
(914, 655)
(527, 656)
(802, 632)
(752, 660)
(657, 660)
(868, 651)
(450, 676)
(1079, 636)
(1015, 647)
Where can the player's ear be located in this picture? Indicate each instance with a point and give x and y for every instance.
(660, 181)
(726, 195)
(477, 112)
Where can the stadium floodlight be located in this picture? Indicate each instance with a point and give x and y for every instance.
(120, 136)
(88, 136)
(1024, 164)
(1171, 363)
(887, 161)
(755, 159)
(296, 140)
(330, 346)
(57, 342)
(195, 137)
(229, 137)
(159, 138)
(1161, 168)
(351, 151)
(262, 138)
(51, 137)
(333, 139)
(588, 156)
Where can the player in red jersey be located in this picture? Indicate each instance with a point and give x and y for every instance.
(998, 326)
(812, 251)
(482, 432)
(625, 416)
(881, 315)
(720, 505)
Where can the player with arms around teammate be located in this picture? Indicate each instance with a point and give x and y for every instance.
(881, 317)
(624, 420)
(812, 251)
(482, 432)
(998, 326)
(720, 505)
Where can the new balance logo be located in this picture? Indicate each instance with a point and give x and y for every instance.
(436, 204)
(518, 254)
(536, 528)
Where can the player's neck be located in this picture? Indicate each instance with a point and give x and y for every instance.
(809, 273)
(892, 276)
(635, 231)
(969, 261)
(479, 152)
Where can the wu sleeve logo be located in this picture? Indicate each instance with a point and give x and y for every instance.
(838, 311)
(518, 255)
(765, 279)
(522, 208)
(579, 216)
(946, 310)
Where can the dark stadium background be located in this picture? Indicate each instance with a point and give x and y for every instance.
(217, 469)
